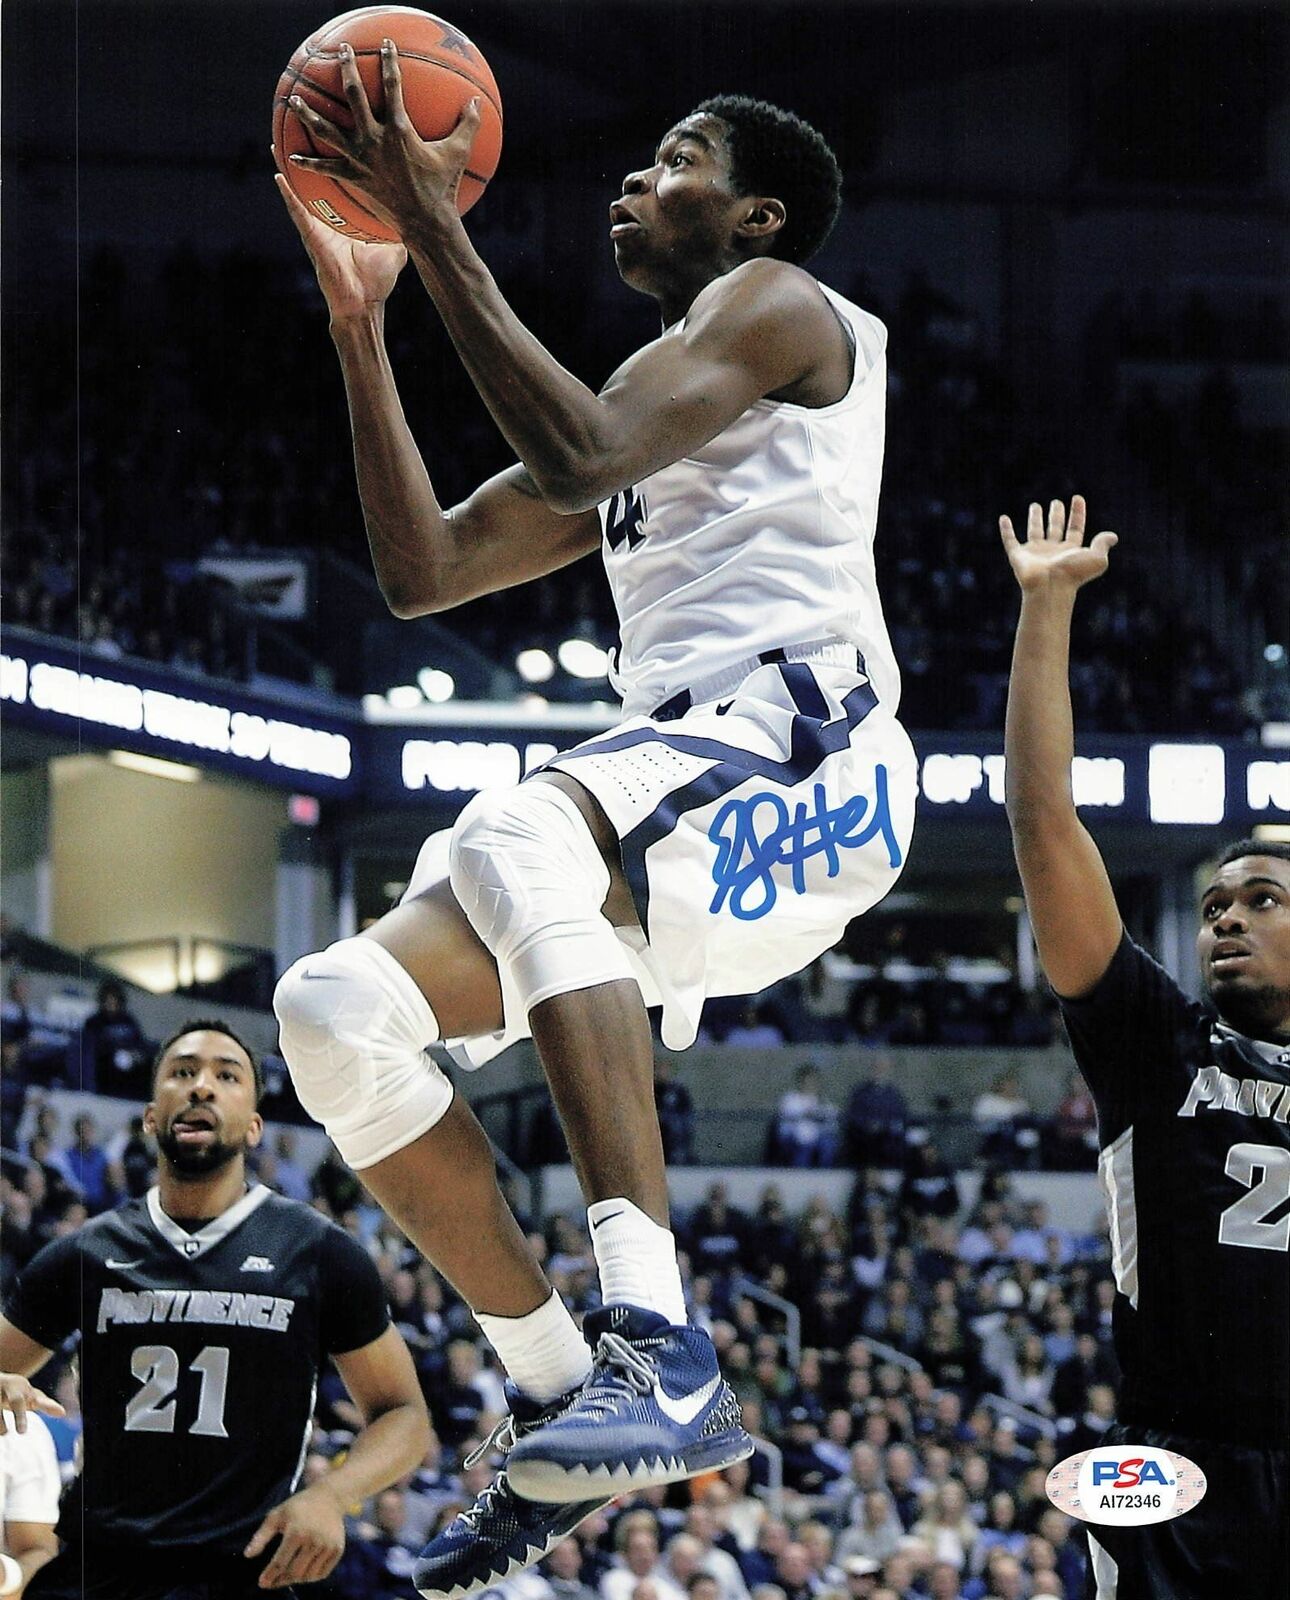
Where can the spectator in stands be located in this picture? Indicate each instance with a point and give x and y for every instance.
(760, 1565)
(335, 1186)
(806, 1470)
(756, 1029)
(794, 1574)
(804, 1132)
(1008, 1458)
(821, 1004)
(874, 1532)
(739, 1512)
(1005, 1120)
(860, 1576)
(702, 1526)
(875, 1118)
(378, 1560)
(772, 1239)
(681, 1558)
(1058, 1530)
(13, 1086)
(929, 1187)
(1000, 1530)
(87, 1162)
(458, 1403)
(1004, 1577)
(1072, 1133)
(943, 1581)
(818, 1540)
(1074, 1378)
(293, 1181)
(563, 1571)
(636, 1542)
(949, 1351)
(1097, 1417)
(114, 1054)
(675, 1113)
(702, 1586)
(1028, 1376)
(132, 1161)
(716, 1233)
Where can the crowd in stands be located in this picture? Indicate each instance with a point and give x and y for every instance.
(890, 1000)
(948, 1357)
(184, 448)
(109, 1053)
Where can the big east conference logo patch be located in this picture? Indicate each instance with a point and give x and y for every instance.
(1126, 1485)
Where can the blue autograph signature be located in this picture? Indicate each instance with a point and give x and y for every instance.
(747, 850)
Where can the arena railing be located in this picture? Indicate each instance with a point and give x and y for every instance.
(889, 1354)
(791, 1315)
(1021, 1415)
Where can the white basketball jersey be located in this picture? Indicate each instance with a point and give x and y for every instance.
(760, 540)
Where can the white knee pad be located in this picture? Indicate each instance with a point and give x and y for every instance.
(354, 1029)
(530, 878)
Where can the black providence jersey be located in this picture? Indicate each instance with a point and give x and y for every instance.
(199, 1354)
(1194, 1127)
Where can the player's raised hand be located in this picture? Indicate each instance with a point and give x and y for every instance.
(19, 1396)
(1056, 553)
(407, 179)
(311, 1529)
(353, 276)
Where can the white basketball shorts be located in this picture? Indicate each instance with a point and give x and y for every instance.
(753, 829)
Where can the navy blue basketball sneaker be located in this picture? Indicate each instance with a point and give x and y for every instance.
(654, 1410)
(500, 1534)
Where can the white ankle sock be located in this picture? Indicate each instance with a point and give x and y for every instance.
(543, 1352)
(637, 1259)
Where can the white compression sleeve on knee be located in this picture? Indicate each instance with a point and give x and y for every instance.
(354, 1028)
(530, 878)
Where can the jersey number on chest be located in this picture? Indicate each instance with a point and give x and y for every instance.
(623, 518)
(152, 1409)
(1249, 1221)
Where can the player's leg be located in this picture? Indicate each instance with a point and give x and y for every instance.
(536, 870)
(1198, 1554)
(355, 1021)
(598, 1057)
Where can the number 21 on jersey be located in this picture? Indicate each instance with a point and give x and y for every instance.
(152, 1409)
(1251, 1221)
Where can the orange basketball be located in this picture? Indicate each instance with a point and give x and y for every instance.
(442, 71)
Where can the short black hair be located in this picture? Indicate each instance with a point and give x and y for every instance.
(776, 154)
(1280, 849)
(212, 1025)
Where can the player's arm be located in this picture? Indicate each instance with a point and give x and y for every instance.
(31, 1488)
(20, 1356)
(375, 1366)
(30, 1546)
(310, 1525)
(1068, 893)
(753, 332)
(426, 558)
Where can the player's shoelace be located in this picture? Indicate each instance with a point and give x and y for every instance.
(619, 1372)
(487, 1501)
(502, 1438)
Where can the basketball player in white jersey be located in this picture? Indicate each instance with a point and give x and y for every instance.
(758, 795)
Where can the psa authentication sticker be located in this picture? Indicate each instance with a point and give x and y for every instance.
(1127, 1485)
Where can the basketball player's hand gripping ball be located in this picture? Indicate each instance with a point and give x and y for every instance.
(387, 117)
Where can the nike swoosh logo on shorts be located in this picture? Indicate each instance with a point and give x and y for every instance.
(684, 1410)
(120, 1266)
